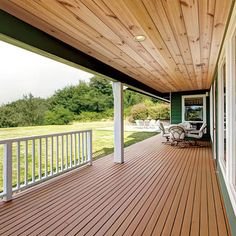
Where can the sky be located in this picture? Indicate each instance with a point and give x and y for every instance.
(23, 72)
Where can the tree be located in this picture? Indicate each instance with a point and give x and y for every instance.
(93, 97)
(23, 112)
(93, 100)
(131, 98)
(9, 117)
(101, 85)
(32, 109)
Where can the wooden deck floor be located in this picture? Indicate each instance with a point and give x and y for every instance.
(159, 190)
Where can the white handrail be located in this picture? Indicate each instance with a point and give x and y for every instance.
(40, 136)
(30, 160)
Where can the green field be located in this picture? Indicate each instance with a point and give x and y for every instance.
(102, 140)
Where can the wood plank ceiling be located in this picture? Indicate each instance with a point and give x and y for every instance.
(183, 37)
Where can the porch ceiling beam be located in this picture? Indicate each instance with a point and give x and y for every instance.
(15, 28)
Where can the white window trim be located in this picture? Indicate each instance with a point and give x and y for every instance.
(204, 107)
(212, 114)
(220, 124)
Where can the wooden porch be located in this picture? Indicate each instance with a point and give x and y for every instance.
(159, 190)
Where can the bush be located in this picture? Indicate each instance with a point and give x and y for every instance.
(152, 111)
(139, 112)
(95, 116)
(164, 112)
(108, 114)
(89, 116)
(58, 116)
(159, 111)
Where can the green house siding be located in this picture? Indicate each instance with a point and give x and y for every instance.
(176, 107)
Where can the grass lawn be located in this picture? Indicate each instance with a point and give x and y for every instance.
(102, 139)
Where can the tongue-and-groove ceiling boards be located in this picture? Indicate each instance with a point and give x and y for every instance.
(183, 37)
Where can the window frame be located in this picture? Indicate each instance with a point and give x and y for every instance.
(220, 123)
(204, 107)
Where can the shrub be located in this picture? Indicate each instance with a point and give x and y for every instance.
(95, 116)
(139, 112)
(89, 116)
(159, 111)
(154, 113)
(108, 114)
(150, 110)
(58, 116)
(164, 112)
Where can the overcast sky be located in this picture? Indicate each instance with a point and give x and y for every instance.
(23, 72)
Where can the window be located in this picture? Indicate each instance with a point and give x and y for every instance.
(194, 109)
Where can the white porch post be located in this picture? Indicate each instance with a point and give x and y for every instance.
(118, 122)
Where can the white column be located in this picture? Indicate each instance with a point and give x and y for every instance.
(118, 123)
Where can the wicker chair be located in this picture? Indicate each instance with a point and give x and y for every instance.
(197, 134)
(177, 135)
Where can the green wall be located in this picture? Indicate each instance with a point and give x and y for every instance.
(176, 107)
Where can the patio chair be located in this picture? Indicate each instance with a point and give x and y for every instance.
(197, 134)
(177, 135)
(163, 132)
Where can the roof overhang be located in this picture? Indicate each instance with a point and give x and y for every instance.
(19, 33)
(179, 53)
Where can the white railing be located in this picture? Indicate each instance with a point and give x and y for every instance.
(30, 160)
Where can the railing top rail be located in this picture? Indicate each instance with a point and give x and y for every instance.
(41, 136)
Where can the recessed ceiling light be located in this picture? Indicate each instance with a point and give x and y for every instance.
(139, 38)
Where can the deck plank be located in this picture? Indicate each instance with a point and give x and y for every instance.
(159, 190)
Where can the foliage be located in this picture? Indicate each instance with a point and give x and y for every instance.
(159, 111)
(32, 110)
(139, 112)
(95, 116)
(58, 116)
(9, 117)
(149, 110)
(85, 102)
(93, 97)
(28, 111)
(89, 116)
(164, 112)
(131, 98)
